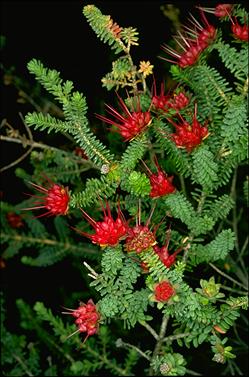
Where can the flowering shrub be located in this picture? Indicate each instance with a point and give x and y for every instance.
(172, 181)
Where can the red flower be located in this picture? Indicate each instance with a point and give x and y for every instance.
(87, 318)
(239, 31)
(221, 10)
(160, 183)
(165, 102)
(189, 136)
(160, 101)
(179, 101)
(140, 237)
(14, 220)
(163, 291)
(192, 42)
(55, 199)
(130, 124)
(107, 232)
(163, 253)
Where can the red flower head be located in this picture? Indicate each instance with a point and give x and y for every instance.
(107, 232)
(163, 253)
(221, 10)
(87, 318)
(55, 199)
(165, 102)
(239, 31)
(160, 101)
(163, 291)
(192, 42)
(179, 101)
(14, 220)
(140, 237)
(189, 136)
(130, 124)
(160, 183)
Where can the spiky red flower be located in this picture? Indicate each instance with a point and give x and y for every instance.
(130, 124)
(160, 101)
(87, 318)
(189, 136)
(109, 231)
(221, 10)
(192, 42)
(163, 291)
(179, 101)
(160, 183)
(163, 252)
(165, 102)
(14, 220)
(239, 31)
(55, 199)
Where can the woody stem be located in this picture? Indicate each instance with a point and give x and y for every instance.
(159, 341)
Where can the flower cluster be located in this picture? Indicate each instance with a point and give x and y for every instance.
(163, 291)
(222, 10)
(163, 253)
(107, 232)
(55, 199)
(187, 135)
(165, 102)
(130, 124)
(193, 41)
(160, 183)
(139, 238)
(239, 31)
(87, 318)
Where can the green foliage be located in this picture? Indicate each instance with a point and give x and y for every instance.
(104, 27)
(94, 189)
(215, 250)
(219, 208)
(116, 286)
(236, 61)
(74, 107)
(133, 153)
(138, 184)
(204, 168)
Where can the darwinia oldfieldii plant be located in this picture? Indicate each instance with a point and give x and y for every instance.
(155, 211)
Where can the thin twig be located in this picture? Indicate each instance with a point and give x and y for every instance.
(177, 336)
(17, 161)
(159, 341)
(235, 221)
(149, 328)
(227, 276)
(23, 365)
(233, 290)
(123, 344)
(193, 373)
(93, 274)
